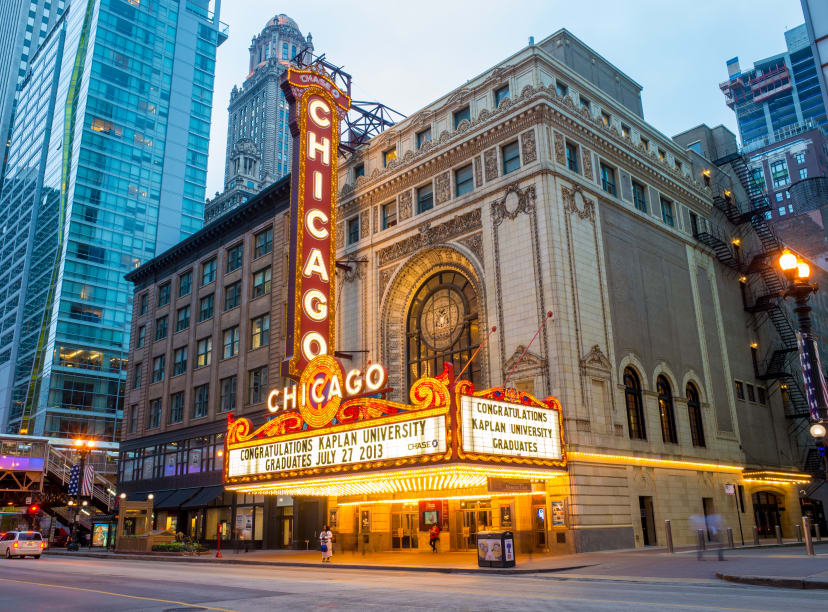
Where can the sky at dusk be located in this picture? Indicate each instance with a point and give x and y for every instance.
(408, 54)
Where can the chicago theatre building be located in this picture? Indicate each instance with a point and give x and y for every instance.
(495, 315)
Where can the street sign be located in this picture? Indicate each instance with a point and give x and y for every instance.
(730, 489)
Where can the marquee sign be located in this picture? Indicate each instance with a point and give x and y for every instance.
(315, 104)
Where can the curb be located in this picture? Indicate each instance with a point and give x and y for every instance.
(779, 583)
(348, 566)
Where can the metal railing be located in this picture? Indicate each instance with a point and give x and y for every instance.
(60, 466)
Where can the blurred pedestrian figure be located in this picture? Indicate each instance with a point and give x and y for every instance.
(716, 530)
(325, 538)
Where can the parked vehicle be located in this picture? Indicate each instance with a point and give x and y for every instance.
(21, 544)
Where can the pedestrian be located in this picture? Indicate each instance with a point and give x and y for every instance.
(434, 537)
(325, 544)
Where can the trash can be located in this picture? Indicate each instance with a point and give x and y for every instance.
(495, 549)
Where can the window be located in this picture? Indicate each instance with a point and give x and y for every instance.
(608, 179)
(161, 328)
(164, 295)
(740, 390)
(606, 118)
(423, 136)
(176, 407)
(143, 304)
(571, 156)
(751, 393)
(464, 114)
(694, 223)
(201, 399)
(235, 255)
(231, 342)
(208, 272)
(257, 385)
(803, 173)
(667, 212)
(227, 394)
(779, 196)
(585, 103)
(259, 332)
(205, 307)
(182, 319)
(389, 215)
(757, 177)
(500, 94)
(425, 198)
(158, 368)
(137, 376)
(645, 143)
(133, 418)
(760, 392)
(142, 336)
(353, 230)
(639, 196)
(359, 170)
(511, 157)
(463, 180)
(779, 173)
(232, 295)
(635, 405)
(561, 88)
(154, 414)
(625, 130)
(678, 165)
(665, 411)
(263, 243)
(800, 158)
(389, 156)
(782, 211)
(261, 282)
(661, 154)
(695, 416)
(180, 361)
(185, 284)
(204, 352)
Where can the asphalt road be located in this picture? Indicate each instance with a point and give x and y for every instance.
(75, 583)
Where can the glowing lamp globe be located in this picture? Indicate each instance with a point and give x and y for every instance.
(787, 261)
(803, 270)
(817, 430)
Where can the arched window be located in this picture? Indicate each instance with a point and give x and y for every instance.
(635, 405)
(443, 325)
(694, 413)
(665, 410)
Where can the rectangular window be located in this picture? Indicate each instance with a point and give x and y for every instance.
(678, 165)
(263, 243)
(158, 368)
(137, 376)
(757, 177)
(561, 88)
(154, 414)
(261, 282)
(667, 212)
(639, 196)
(425, 198)
(740, 390)
(608, 179)
(180, 361)
(201, 400)
(779, 197)
(235, 256)
(463, 180)
(142, 336)
(359, 170)
(389, 215)
(645, 144)
(751, 393)
(423, 136)
(133, 418)
(585, 103)
(205, 307)
(182, 319)
(464, 114)
(779, 173)
(606, 118)
(143, 304)
(500, 94)
(185, 284)
(164, 295)
(803, 173)
(760, 393)
(176, 408)
(661, 154)
(204, 352)
(782, 211)
(161, 328)
(389, 156)
(227, 394)
(625, 130)
(353, 230)
(231, 342)
(257, 385)
(800, 158)
(511, 157)
(572, 156)
(208, 272)
(232, 295)
(259, 332)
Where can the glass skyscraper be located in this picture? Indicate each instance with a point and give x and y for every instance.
(106, 168)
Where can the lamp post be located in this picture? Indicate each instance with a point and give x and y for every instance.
(83, 448)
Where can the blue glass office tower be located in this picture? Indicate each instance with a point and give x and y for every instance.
(107, 167)
(779, 95)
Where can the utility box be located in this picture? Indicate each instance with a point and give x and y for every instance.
(495, 549)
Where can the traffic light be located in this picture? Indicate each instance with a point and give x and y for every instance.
(34, 509)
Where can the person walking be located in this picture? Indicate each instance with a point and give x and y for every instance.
(434, 537)
(325, 541)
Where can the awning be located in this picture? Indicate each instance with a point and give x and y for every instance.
(177, 497)
(204, 497)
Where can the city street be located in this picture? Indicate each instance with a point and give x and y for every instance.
(76, 583)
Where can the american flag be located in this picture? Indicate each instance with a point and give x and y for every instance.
(815, 389)
(74, 478)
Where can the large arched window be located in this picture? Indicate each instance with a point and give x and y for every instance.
(635, 405)
(443, 326)
(665, 410)
(695, 416)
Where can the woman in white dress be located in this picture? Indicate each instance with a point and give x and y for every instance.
(325, 544)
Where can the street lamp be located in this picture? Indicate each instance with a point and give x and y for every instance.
(82, 448)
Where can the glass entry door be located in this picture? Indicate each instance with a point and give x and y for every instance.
(404, 530)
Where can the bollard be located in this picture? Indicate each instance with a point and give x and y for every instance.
(818, 532)
(755, 536)
(669, 530)
(798, 533)
(701, 540)
(778, 534)
(809, 543)
(730, 543)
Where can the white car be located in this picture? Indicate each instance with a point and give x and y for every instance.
(22, 543)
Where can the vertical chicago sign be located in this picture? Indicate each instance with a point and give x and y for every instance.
(315, 105)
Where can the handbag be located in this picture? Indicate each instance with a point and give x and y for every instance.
(323, 547)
